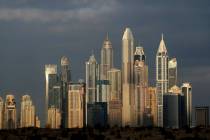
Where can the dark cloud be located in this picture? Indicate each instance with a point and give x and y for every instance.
(36, 32)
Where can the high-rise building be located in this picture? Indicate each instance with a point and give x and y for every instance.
(65, 79)
(187, 91)
(50, 81)
(97, 114)
(173, 108)
(115, 97)
(10, 113)
(127, 77)
(1, 112)
(76, 108)
(161, 79)
(202, 116)
(140, 86)
(27, 113)
(151, 104)
(172, 72)
(92, 75)
(54, 118)
(106, 58)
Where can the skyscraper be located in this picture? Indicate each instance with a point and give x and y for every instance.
(172, 72)
(10, 113)
(106, 58)
(92, 75)
(161, 79)
(187, 91)
(1, 112)
(127, 77)
(54, 118)
(27, 113)
(50, 81)
(140, 85)
(65, 79)
(115, 97)
(76, 93)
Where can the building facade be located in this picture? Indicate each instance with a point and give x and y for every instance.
(97, 114)
(27, 113)
(76, 110)
(173, 108)
(54, 118)
(161, 79)
(115, 97)
(151, 104)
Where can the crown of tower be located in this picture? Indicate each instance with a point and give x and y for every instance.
(107, 42)
(162, 46)
(127, 34)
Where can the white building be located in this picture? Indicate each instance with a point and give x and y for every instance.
(161, 79)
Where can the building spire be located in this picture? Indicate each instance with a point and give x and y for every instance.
(107, 36)
(162, 36)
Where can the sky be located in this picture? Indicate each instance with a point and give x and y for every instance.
(38, 32)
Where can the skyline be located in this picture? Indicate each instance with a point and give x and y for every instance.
(22, 80)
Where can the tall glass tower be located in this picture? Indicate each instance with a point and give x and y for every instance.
(65, 79)
(50, 81)
(127, 76)
(187, 91)
(161, 79)
(92, 75)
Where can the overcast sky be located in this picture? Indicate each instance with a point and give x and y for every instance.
(38, 32)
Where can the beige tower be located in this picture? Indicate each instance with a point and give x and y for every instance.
(54, 118)
(27, 113)
(127, 77)
(115, 101)
(10, 113)
(76, 102)
(37, 122)
(1, 112)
